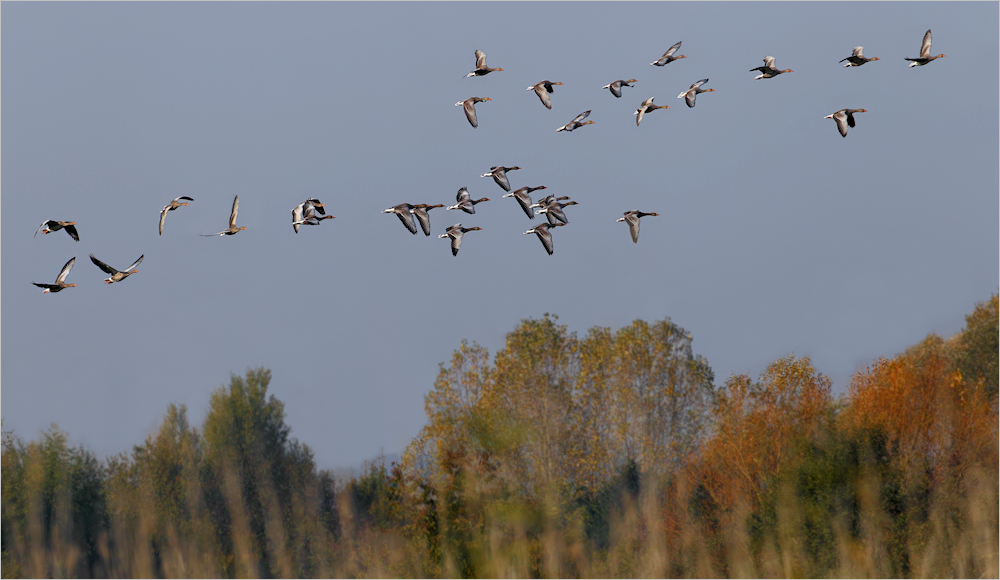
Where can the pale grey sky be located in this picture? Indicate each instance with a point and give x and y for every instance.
(775, 235)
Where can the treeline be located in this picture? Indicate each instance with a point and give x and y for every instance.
(612, 455)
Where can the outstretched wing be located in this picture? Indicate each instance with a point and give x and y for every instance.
(65, 270)
(581, 117)
(134, 264)
(670, 51)
(163, 217)
(71, 230)
(480, 59)
(236, 211)
(407, 221)
(925, 46)
(297, 217)
(107, 269)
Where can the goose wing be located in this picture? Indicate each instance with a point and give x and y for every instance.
(633, 226)
(616, 88)
(462, 194)
(480, 59)
(841, 118)
(65, 270)
(297, 217)
(543, 94)
(44, 224)
(163, 217)
(235, 212)
(543, 233)
(857, 52)
(500, 176)
(407, 218)
(134, 264)
(670, 51)
(425, 220)
(470, 112)
(107, 269)
(925, 46)
(525, 201)
(71, 230)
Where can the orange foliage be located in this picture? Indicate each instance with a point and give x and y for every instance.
(756, 425)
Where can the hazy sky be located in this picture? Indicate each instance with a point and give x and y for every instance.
(775, 235)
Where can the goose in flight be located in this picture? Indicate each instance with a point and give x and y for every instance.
(481, 68)
(176, 203)
(456, 232)
(925, 52)
(232, 229)
(60, 282)
(115, 275)
(50, 226)
(632, 219)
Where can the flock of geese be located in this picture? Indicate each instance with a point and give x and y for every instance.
(311, 211)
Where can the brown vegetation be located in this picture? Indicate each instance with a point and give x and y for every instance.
(614, 455)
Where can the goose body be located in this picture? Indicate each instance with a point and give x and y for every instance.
(115, 275)
(176, 203)
(469, 106)
(769, 71)
(925, 52)
(50, 226)
(844, 119)
(499, 175)
(543, 89)
(404, 212)
(857, 58)
(632, 219)
(60, 282)
(456, 232)
(543, 233)
(690, 94)
(647, 106)
(465, 201)
(524, 199)
(232, 229)
(616, 87)
(554, 211)
(668, 57)
(576, 123)
(481, 68)
(420, 212)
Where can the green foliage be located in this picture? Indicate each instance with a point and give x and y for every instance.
(613, 455)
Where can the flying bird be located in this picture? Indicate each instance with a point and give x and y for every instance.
(60, 279)
(522, 197)
(115, 275)
(404, 212)
(769, 71)
(543, 89)
(576, 123)
(925, 52)
(481, 68)
(469, 106)
(232, 229)
(858, 59)
(554, 211)
(690, 94)
(50, 226)
(456, 232)
(499, 174)
(304, 214)
(420, 212)
(616, 87)
(465, 201)
(543, 233)
(668, 57)
(647, 106)
(844, 119)
(171, 207)
(632, 219)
